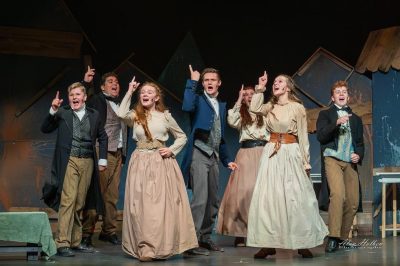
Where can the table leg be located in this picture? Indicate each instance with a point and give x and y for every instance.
(383, 210)
(394, 187)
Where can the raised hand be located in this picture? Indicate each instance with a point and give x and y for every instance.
(194, 75)
(89, 74)
(133, 85)
(262, 81)
(56, 103)
(241, 94)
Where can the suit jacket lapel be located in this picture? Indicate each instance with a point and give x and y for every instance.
(69, 119)
(91, 122)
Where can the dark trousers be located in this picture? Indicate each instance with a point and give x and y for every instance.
(204, 178)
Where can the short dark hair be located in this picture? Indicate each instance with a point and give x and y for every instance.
(107, 75)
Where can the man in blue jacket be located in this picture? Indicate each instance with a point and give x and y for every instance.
(206, 146)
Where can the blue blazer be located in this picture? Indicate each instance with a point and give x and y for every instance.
(201, 119)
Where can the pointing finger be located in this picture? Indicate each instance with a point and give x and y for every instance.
(190, 68)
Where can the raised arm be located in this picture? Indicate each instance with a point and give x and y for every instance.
(234, 118)
(190, 97)
(257, 105)
(123, 111)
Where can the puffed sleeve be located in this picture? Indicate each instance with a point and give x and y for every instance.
(302, 135)
(177, 132)
(123, 110)
(257, 105)
(234, 118)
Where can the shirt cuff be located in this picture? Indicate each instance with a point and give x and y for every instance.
(103, 162)
(52, 112)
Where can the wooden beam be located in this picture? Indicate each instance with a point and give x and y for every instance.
(68, 10)
(37, 42)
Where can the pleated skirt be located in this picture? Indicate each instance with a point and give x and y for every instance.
(234, 209)
(284, 210)
(157, 221)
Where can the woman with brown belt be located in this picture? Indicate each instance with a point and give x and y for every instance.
(234, 209)
(284, 211)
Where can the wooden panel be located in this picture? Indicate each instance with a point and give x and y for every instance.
(381, 51)
(36, 42)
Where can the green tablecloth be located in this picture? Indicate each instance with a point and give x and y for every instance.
(28, 227)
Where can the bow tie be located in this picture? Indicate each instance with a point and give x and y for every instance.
(112, 99)
(344, 108)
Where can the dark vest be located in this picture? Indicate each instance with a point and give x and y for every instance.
(81, 139)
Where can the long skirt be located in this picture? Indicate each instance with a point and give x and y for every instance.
(157, 221)
(284, 210)
(235, 205)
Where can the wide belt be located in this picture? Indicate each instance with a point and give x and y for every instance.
(252, 143)
(149, 145)
(281, 138)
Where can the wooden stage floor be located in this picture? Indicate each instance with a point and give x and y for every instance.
(374, 251)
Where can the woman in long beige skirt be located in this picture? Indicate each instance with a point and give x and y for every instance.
(234, 209)
(157, 222)
(284, 209)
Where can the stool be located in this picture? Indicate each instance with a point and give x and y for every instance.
(393, 181)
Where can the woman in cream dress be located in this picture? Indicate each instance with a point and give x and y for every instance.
(157, 222)
(234, 209)
(284, 210)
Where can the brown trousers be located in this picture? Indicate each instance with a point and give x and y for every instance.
(343, 185)
(109, 185)
(76, 184)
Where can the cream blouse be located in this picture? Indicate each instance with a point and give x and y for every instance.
(289, 118)
(249, 132)
(159, 123)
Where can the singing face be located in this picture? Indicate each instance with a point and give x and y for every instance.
(248, 95)
(280, 86)
(211, 83)
(77, 98)
(111, 86)
(340, 96)
(148, 97)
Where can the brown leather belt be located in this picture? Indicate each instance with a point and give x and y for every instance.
(281, 138)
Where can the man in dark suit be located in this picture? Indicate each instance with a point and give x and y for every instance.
(106, 103)
(206, 146)
(74, 166)
(340, 133)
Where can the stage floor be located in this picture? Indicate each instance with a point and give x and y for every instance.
(374, 251)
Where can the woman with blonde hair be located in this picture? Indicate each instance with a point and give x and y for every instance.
(284, 210)
(157, 222)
